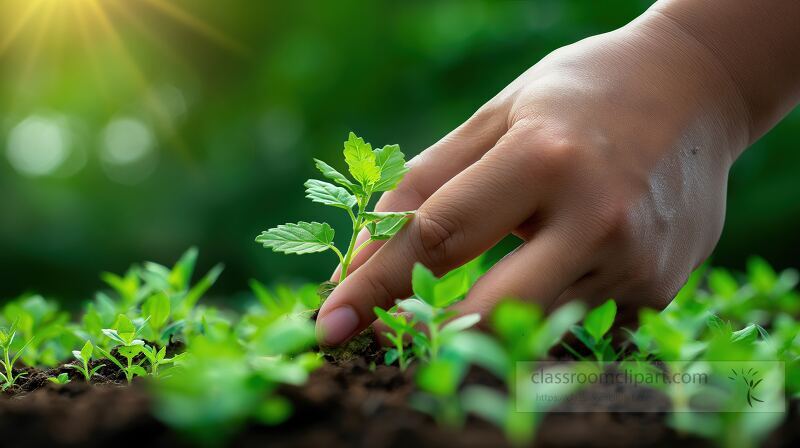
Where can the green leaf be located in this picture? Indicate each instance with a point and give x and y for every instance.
(361, 161)
(460, 324)
(329, 194)
(722, 283)
(391, 356)
(387, 227)
(287, 336)
(421, 310)
(181, 273)
(598, 321)
(483, 350)
(761, 275)
(157, 308)
(331, 173)
(197, 291)
(392, 165)
(87, 351)
(513, 320)
(300, 238)
(423, 283)
(273, 410)
(440, 377)
(395, 322)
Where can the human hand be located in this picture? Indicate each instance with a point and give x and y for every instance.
(608, 158)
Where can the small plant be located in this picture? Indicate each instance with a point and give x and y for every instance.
(401, 327)
(374, 171)
(593, 332)
(433, 296)
(7, 361)
(124, 334)
(60, 380)
(83, 356)
(158, 358)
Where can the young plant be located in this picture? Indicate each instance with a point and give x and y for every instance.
(374, 171)
(593, 332)
(158, 358)
(433, 296)
(83, 356)
(401, 327)
(60, 380)
(124, 334)
(7, 361)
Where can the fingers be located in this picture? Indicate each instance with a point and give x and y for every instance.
(539, 271)
(462, 219)
(434, 167)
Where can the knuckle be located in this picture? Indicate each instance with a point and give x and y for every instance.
(435, 235)
(548, 156)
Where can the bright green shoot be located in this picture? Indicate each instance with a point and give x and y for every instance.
(158, 358)
(429, 307)
(593, 332)
(374, 171)
(7, 361)
(83, 356)
(60, 380)
(125, 334)
(400, 327)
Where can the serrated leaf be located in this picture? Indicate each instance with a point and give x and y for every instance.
(361, 161)
(329, 194)
(334, 175)
(386, 227)
(299, 238)
(392, 164)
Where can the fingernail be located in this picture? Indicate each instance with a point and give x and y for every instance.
(336, 326)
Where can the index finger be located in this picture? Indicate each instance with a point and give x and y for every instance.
(465, 217)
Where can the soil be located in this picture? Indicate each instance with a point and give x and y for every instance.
(346, 403)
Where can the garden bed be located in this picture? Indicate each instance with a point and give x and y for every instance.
(353, 403)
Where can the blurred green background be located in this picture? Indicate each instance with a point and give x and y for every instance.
(130, 130)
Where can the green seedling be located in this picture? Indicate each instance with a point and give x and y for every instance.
(8, 360)
(593, 332)
(429, 308)
(128, 346)
(374, 171)
(83, 356)
(400, 327)
(158, 358)
(60, 380)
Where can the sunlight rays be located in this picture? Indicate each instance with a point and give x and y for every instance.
(31, 25)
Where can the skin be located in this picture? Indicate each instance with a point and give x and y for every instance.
(609, 158)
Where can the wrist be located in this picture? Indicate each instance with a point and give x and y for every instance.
(708, 98)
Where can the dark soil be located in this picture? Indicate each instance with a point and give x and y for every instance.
(349, 403)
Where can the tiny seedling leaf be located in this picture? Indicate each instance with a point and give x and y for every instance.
(598, 321)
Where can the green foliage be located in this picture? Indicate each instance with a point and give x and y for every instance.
(233, 364)
(60, 380)
(8, 358)
(124, 335)
(83, 356)
(593, 332)
(374, 171)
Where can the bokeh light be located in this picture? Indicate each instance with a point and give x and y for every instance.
(38, 146)
(128, 150)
